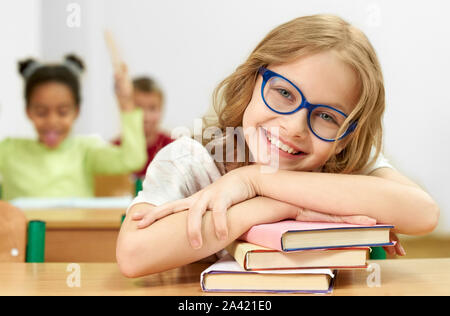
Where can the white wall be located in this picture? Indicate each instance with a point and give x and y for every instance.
(21, 37)
(60, 36)
(189, 46)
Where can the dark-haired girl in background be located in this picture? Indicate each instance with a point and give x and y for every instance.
(57, 164)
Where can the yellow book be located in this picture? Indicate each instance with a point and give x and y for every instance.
(253, 257)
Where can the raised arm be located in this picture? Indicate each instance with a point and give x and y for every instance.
(164, 244)
(131, 155)
(385, 195)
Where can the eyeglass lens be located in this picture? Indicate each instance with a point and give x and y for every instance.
(283, 97)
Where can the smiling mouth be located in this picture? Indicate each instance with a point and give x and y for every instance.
(282, 146)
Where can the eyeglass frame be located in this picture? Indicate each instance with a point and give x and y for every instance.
(267, 74)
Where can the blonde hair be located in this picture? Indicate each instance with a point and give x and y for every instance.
(297, 38)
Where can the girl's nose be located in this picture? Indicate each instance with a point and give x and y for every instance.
(296, 124)
(52, 119)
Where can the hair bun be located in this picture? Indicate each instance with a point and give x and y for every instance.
(76, 61)
(25, 65)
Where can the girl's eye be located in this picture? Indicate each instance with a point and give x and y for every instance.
(284, 93)
(327, 117)
(64, 111)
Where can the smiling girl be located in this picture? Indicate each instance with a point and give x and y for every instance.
(57, 164)
(310, 97)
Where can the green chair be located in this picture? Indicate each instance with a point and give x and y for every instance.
(377, 253)
(36, 242)
(137, 189)
(137, 186)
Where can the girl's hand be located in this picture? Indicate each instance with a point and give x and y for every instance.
(230, 189)
(397, 249)
(123, 88)
(122, 82)
(304, 215)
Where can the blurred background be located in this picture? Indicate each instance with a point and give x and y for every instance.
(190, 46)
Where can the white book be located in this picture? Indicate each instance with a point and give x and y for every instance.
(226, 275)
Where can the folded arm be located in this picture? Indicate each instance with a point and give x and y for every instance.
(385, 195)
(164, 244)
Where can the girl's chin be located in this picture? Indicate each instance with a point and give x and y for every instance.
(51, 143)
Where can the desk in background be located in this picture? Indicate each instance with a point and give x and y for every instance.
(398, 277)
(79, 235)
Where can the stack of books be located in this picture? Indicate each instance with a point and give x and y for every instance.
(293, 257)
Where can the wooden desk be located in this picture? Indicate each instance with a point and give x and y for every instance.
(398, 277)
(79, 235)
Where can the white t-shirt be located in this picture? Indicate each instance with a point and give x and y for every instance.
(184, 167)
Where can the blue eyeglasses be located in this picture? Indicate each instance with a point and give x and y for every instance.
(283, 97)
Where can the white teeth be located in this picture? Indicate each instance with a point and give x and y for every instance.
(281, 145)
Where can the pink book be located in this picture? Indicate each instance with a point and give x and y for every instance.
(292, 235)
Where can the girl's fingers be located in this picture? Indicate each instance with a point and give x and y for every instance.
(194, 222)
(359, 220)
(171, 208)
(160, 212)
(390, 250)
(400, 250)
(398, 247)
(219, 215)
(137, 216)
(146, 221)
(312, 216)
(113, 50)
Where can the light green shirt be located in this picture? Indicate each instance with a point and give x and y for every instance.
(30, 169)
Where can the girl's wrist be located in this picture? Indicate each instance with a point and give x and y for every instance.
(127, 106)
(251, 175)
(255, 176)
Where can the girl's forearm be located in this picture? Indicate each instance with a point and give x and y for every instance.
(164, 245)
(409, 208)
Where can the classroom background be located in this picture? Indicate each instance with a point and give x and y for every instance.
(190, 46)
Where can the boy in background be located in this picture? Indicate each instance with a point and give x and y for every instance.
(150, 97)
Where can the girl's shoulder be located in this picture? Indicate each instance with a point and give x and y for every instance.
(87, 141)
(181, 148)
(11, 143)
(190, 153)
(72, 143)
(380, 162)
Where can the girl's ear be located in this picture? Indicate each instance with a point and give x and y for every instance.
(339, 148)
(342, 144)
(27, 110)
(77, 111)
